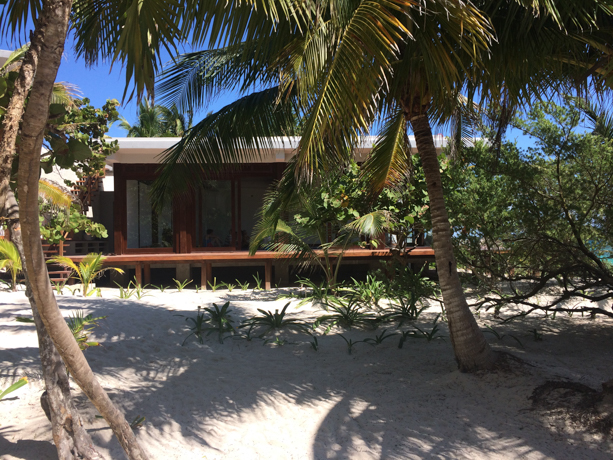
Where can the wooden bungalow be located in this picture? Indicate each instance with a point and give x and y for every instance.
(206, 230)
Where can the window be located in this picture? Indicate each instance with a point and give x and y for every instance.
(147, 228)
(214, 215)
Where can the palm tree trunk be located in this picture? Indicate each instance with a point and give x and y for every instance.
(51, 28)
(69, 435)
(471, 350)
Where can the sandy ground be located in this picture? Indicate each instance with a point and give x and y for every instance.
(245, 400)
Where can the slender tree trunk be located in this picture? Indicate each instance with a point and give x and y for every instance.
(69, 435)
(53, 21)
(471, 350)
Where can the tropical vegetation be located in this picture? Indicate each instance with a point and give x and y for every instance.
(157, 121)
(344, 65)
(10, 261)
(532, 218)
(86, 271)
(337, 212)
(391, 65)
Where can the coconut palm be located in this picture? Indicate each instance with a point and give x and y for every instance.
(157, 121)
(90, 268)
(10, 260)
(296, 239)
(347, 67)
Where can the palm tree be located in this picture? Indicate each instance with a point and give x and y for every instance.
(296, 238)
(87, 270)
(10, 260)
(157, 121)
(401, 64)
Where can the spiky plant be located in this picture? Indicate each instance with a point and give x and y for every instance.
(10, 260)
(90, 268)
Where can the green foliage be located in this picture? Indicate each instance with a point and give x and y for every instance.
(500, 336)
(402, 281)
(244, 286)
(157, 121)
(229, 286)
(271, 322)
(370, 291)
(181, 284)
(403, 310)
(258, 282)
(536, 335)
(75, 131)
(317, 294)
(10, 260)
(161, 287)
(81, 326)
(328, 217)
(56, 223)
(351, 343)
(347, 312)
(536, 216)
(380, 338)
(428, 335)
(15, 386)
(137, 422)
(218, 320)
(87, 270)
(214, 284)
(59, 286)
(77, 138)
(134, 288)
(314, 344)
(199, 326)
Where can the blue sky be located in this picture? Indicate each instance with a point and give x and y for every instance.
(100, 83)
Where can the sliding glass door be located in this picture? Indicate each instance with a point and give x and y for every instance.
(147, 228)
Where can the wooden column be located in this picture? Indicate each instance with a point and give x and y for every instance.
(139, 272)
(119, 210)
(147, 273)
(267, 274)
(207, 274)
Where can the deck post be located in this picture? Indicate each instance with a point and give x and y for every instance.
(147, 273)
(138, 267)
(206, 274)
(267, 274)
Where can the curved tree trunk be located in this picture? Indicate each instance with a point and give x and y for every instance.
(69, 435)
(471, 350)
(51, 28)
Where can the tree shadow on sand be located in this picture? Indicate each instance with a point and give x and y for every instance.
(242, 399)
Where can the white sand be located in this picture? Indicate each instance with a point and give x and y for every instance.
(243, 400)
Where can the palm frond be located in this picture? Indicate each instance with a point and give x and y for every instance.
(10, 255)
(14, 60)
(600, 119)
(54, 194)
(195, 79)
(390, 157)
(241, 132)
(64, 262)
(344, 103)
(372, 224)
(16, 15)
(131, 34)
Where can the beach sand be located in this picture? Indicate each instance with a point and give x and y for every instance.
(246, 400)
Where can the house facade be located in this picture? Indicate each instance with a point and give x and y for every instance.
(207, 228)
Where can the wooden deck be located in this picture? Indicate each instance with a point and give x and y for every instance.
(143, 262)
